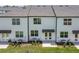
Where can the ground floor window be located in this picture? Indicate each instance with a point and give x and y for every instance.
(34, 32)
(5, 35)
(64, 34)
(19, 33)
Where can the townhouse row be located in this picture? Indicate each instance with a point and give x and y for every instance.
(41, 22)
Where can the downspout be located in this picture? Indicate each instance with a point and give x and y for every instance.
(55, 24)
(28, 27)
(28, 22)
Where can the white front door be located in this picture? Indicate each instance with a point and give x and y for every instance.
(5, 36)
(76, 37)
(48, 35)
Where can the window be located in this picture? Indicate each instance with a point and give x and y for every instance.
(64, 34)
(19, 33)
(37, 21)
(34, 33)
(16, 21)
(67, 21)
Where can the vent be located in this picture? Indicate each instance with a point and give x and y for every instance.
(6, 6)
(13, 6)
(44, 6)
(66, 6)
(61, 6)
(38, 5)
(24, 7)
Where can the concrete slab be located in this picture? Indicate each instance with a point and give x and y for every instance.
(77, 46)
(3, 46)
(48, 45)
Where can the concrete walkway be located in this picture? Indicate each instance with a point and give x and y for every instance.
(77, 46)
(48, 45)
(3, 45)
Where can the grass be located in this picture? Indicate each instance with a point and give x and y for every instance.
(38, 49)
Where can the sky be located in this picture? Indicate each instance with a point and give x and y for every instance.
(39, 2)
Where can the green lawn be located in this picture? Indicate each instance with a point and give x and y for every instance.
(38, 49)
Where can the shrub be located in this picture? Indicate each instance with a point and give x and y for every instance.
(67, 43)
(35, 42)
(10, 42)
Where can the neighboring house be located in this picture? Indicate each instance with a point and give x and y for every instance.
(67, 23)
(42, 23)
(13, 23)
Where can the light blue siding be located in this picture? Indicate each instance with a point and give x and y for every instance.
(46, 23)
(69, 28)
(6, 24)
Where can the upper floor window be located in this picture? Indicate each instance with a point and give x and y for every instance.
(64, 34)
(67, 21)
(16, 21)
(34, 33)
(19, 33)
(37, 20)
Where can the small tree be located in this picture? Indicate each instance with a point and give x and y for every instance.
(68, 43)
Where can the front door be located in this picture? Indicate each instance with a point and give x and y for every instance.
(76, 37)
(48, 35)
(5, 36)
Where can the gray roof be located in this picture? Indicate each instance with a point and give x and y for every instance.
(26, 11)
(66, 10)
(41, 11)
(14, 11)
